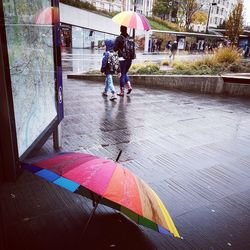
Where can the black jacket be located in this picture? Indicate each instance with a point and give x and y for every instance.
(119, 41)
(174, 47)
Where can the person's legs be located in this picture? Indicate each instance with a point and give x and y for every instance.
(111, 87)
(105, 92)
(123, 77)
(174, 53)
(128, 83)
(110, 83)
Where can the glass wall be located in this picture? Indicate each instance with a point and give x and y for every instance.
(29, 30)
(77, 37)
(88, 39)
(99, 38)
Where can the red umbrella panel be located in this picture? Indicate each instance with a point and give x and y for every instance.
(132, 20)
(116, 186)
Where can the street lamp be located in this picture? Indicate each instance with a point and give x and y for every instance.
(212, 4)
(134, 11)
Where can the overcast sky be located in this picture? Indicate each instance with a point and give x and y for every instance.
(247, 10)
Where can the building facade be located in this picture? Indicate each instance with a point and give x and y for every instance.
(220, 12)
(142, 6)
(108, 5)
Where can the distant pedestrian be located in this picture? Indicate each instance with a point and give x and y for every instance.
(154, 45)
(173, 50)
(168, 46)
(125, 46)
(110, 66)
(158, 44)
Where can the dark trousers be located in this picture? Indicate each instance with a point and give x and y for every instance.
(124, 65)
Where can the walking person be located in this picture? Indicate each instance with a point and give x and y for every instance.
(173, 50)
(126, 53)
(110, 67)
(168, 46)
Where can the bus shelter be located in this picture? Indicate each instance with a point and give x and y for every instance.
(31, 94)
(185, 40)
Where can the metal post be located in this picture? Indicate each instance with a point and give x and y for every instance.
(57, 137)
(134, 11)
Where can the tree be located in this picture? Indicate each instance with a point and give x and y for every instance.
(199, 17)
(162, 8)
(187, 8)
(234, 24)
(222, 25)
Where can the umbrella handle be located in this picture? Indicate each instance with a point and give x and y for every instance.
(117, 159)
(96, 203)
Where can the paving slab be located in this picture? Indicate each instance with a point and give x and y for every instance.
(192, 149)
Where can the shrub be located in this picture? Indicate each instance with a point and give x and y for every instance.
(165, 63)
(166, 24)
(206, 60)
(235, 67)
(145, 68)
(227, 56)
(204, 66)
(79, 4)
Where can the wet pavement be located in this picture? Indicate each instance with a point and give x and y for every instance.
(192, 149)
(83, 60)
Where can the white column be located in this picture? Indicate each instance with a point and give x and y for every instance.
(147, 38)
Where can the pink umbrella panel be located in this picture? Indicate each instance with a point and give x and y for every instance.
(118, 188)
(132, 20)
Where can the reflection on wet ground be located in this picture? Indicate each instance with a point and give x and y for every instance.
(192, 149)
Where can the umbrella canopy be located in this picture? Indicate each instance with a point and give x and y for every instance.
(132, 20)
(116, 186)
(47, 16)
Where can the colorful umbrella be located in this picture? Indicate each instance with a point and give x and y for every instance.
(114, 185)
(132, 20)
(47, 16)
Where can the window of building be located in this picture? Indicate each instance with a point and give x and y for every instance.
(216, 20)
(218, 9)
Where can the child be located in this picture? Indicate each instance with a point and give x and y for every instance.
(108, 70)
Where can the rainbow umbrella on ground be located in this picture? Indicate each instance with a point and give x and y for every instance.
(106, 182)
(132, 20)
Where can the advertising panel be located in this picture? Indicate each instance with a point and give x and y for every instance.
(29, 32)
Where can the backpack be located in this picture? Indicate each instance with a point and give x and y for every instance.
(113, 63)
(128, 50)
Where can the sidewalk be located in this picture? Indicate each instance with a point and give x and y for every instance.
(192, 149)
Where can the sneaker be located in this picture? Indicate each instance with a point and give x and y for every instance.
(113, 97)
(121, 94)
(104, 93)
(129, 91)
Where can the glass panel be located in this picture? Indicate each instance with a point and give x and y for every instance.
(89, 37)
(30, 47)
(99, 38)
(77, 37)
